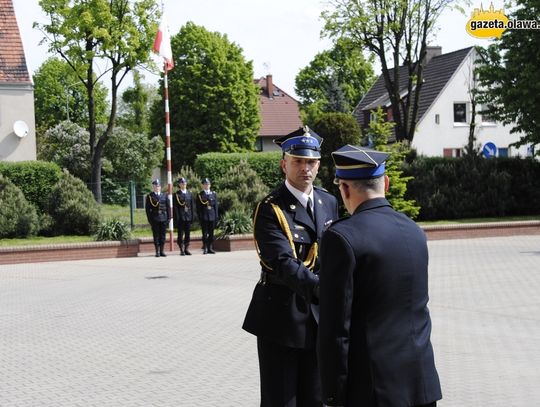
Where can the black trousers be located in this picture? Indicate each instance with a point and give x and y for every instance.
(289, 376)
(207, 227)
(159, 230)
(184, 231)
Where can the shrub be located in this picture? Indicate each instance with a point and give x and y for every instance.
(234, 222)
(113, 229)
(265, 164)
(18, 217)
(68, 145)
(35, 178)
(73, 208)
(242, 187)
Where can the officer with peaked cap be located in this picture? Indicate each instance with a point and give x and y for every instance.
(208, 212)
(184, 206)
(374, 344)
(283, 312)
(157, 215)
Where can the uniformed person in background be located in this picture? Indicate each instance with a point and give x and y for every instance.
(157, 215)
(184, 206)
(374, 329)
(207, 211)
(283, 312)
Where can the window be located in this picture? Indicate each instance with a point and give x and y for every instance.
(460, 112)
(503, 152)
(389, 115)
(451, 152)
(437, 119)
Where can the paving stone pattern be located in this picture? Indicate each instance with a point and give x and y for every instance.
(165, 332)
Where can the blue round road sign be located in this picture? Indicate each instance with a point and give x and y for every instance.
(489, 150)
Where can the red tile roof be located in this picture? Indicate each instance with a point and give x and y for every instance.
(279, 111)
(12, 61)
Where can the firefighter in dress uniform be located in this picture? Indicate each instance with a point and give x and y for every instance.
(183, 205)
(207, 211)
(157, 215)
(283, 313)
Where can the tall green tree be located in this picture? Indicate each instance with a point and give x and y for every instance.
(397, 33)
(213, 99)
(59, 95)
(509, 79)
(335, 80)
(135, 106)
(115, 35)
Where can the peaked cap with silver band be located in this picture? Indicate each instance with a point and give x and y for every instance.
(304, 143)
(354, 162)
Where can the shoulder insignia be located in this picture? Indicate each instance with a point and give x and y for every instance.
(337, 221)
(320, 189)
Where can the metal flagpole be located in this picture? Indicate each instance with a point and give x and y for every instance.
(168, 148)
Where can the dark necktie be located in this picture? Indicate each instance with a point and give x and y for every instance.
(309, 210)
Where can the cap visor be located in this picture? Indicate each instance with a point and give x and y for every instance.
(304, 153)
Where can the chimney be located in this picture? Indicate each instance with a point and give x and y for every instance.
(269, 86)
(432, 51)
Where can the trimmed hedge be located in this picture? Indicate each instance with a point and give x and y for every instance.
(215, 165)
(35, 178)
(473, 187)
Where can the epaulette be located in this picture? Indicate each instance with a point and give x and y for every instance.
(269, 199)
(337, 221)
(321, 189)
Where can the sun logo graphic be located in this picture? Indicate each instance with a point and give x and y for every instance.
(487, 24)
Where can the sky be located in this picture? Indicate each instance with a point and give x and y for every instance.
(280, 36)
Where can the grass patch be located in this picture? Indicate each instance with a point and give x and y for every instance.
(36, 240)
(479, 220)
(123, 213)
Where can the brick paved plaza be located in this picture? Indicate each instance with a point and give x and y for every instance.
(166, 332)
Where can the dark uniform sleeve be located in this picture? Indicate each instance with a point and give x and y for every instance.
(147, 208)
(277, 255)
(193, 206)
(336, 297)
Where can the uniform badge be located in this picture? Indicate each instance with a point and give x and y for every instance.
(320, 202)
(293, 207)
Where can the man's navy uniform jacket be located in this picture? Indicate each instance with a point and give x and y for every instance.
(184, 205)
(282, 308)
(374, 334)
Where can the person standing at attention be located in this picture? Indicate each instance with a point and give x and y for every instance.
(207, 210)
(157, 215)
(283, 312)
(183, 204)
(374, 344)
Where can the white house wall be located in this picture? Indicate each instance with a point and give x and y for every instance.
(431, 138)
(17, 103)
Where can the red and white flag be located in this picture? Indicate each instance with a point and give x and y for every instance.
(162, 43)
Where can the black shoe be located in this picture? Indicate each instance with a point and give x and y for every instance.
(182, 253)
(157, 254)
(204, 251)
(211, 251)
(162, 254)
(187, 252)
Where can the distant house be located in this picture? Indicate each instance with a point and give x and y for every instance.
(280, 114)
(444, 112)
(17, 123)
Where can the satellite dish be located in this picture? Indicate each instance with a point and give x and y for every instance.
(20, 128)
